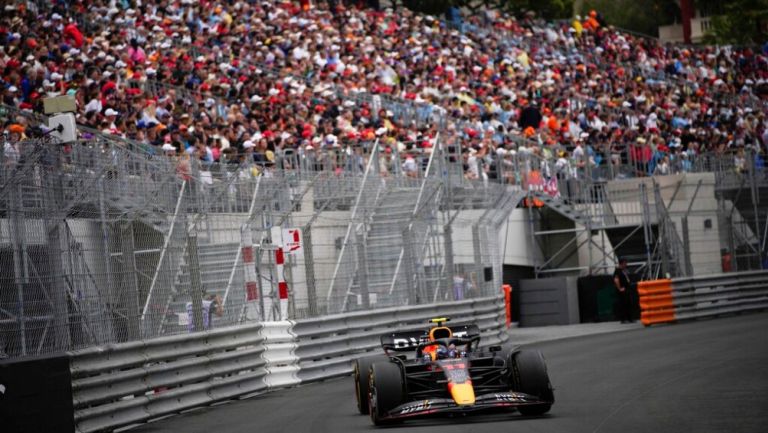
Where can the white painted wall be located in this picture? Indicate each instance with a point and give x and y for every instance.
(517, 248)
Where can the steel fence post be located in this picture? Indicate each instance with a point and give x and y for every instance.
(52, 181)
(755, 194)
(16, 225)
(478, 257)
(362, 269)
(195, 286)
(409, 271)
(448, 240)
(686, 246)
(130, 294)
(309, 270)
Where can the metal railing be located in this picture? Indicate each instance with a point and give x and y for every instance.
(128, 383)
(132, 215)
(679, 299)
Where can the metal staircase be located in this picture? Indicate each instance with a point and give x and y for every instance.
(633, 218)
(385, 238)
(215, 262)
(578, 213)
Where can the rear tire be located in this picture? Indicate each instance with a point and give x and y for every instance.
(529, 375)
(386, 390)
(360, 369)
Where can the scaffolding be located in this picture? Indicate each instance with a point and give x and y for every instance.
(105, 242)
(666, 226)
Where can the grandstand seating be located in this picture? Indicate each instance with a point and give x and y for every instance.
(253, 81)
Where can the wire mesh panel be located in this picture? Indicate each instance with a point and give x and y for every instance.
(105, 242)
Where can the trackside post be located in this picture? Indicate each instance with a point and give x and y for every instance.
(507, 289)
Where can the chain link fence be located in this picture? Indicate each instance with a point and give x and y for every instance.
(101, 242)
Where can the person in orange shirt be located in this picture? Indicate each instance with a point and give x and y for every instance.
(552, 123)
(591, 24)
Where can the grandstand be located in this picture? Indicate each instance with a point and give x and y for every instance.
(274, 76)
(390, 135)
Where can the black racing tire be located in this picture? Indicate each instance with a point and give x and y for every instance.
(386, 389)
(360, 369)
(529, 375)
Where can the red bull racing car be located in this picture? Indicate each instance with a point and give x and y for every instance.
(449, 374)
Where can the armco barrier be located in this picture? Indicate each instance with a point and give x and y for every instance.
(280, 354)
(123, 384)
(327, 346)
(665, 301)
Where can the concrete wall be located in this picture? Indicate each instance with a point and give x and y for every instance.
(705, 242)
(517, 249)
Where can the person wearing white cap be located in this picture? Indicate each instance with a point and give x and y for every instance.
(111, 115)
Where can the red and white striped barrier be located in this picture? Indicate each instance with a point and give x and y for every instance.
(251, 277)
(282, 286)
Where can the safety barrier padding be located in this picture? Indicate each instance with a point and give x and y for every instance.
(656, 302)
(663, 301)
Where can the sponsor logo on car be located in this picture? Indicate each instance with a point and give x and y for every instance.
(402, 343)
(509, 397)
(416, 407)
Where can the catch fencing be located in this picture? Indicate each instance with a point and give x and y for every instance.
(107, 242)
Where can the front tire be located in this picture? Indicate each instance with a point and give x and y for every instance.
(529, 375)
(386, 390)
(360, 369)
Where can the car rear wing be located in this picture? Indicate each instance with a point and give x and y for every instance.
(407, 340)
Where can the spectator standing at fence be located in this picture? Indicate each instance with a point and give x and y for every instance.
(662, 167)
(12, 136)
(385, 162)
(622, 283)
(459, 286)
(211, 305)
(740, 161)
(410, 167)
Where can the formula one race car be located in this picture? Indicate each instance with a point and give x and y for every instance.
(448, 375)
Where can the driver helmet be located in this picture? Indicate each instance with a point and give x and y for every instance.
(452, 352)
(441, 353)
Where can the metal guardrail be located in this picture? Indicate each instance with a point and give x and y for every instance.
(326, 346)
(665, 301)
(123, 384)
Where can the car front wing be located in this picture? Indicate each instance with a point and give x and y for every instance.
(485, 402)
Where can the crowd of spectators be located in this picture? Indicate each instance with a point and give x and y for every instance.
(246, 81)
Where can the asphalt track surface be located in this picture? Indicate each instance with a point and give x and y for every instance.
(705, 376)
